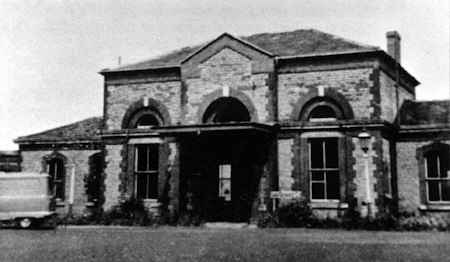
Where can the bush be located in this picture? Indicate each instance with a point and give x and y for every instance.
(269, 221)
(421, 223)
(296, 214)
(131, 212)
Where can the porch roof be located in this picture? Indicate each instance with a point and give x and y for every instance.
(192, 129)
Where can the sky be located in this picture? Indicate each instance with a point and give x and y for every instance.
(51, 51)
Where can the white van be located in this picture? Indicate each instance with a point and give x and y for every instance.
(25, 198)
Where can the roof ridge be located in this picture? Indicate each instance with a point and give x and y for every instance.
(299, 42)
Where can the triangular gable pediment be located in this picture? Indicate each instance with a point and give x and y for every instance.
(261, 59)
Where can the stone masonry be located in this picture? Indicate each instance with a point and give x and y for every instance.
(227, 70)
(120, 97)
(354, 84)
(33, 162)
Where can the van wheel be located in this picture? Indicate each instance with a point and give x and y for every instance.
(25, 222)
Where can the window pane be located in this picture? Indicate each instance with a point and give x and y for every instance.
(59, 170)
(443, 165)
(153, 157)
(59, 188)
(51, 170)
(318, 190)
(445, 187)
(433, 191)
(225, 171)
(142, 158)
(317, 176)
(322, 112)
(147, 121)
(331, 153)
(432, 166)
(141, 186)
(153, 186)
(316, 155)
(333, 185)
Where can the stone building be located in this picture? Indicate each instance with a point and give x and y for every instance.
(233, 128)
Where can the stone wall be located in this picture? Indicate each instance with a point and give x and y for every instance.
(388, 97)
(360, 180)
(285, 164)
(33, 162)
(354, 84)
(387, 173)
(113, 171)
(120, 97)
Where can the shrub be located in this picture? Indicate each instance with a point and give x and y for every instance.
(295, 214)
(131, 212)
(269, 221)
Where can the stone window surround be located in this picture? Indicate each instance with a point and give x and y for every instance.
(145, 105)
(52, 156)
(420, 155)
(304, 169)
(132, 143)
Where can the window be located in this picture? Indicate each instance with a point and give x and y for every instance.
(145, 117)
(146, 170)
(225, 182)
(322, 113)
(437, 176)
(147, 121)
(324, 168)
(55, 168)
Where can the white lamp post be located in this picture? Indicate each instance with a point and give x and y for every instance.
(364, 140)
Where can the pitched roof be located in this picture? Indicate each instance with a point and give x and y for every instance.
(295, 43)
(425, 112)
(83, 130)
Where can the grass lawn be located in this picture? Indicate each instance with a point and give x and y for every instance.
(199, 244)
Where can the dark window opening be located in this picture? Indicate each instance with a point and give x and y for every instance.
(324, 168)
(437, 176)
(94, 180)
(147, 158)
(226, 109)
(147, 121)
(322, 113)
(55, 168)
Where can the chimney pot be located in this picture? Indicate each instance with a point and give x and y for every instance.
(393, 45)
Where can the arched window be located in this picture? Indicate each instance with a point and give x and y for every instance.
(226, 109)
(321, 109)
(56, 170)
(323, 113)
(147, 121)
(146, 117)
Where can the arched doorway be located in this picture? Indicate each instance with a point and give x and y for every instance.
(222, 167)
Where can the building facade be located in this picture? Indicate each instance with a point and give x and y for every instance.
(232, 129)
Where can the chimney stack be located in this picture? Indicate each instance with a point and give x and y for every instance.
(393, 45)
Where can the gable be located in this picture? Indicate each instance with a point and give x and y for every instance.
(225, 64)
(230, 49)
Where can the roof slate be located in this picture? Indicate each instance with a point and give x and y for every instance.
(295, 43)
(425, 112)
(86, 129)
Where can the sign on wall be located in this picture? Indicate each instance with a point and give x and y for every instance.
(285, 194)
